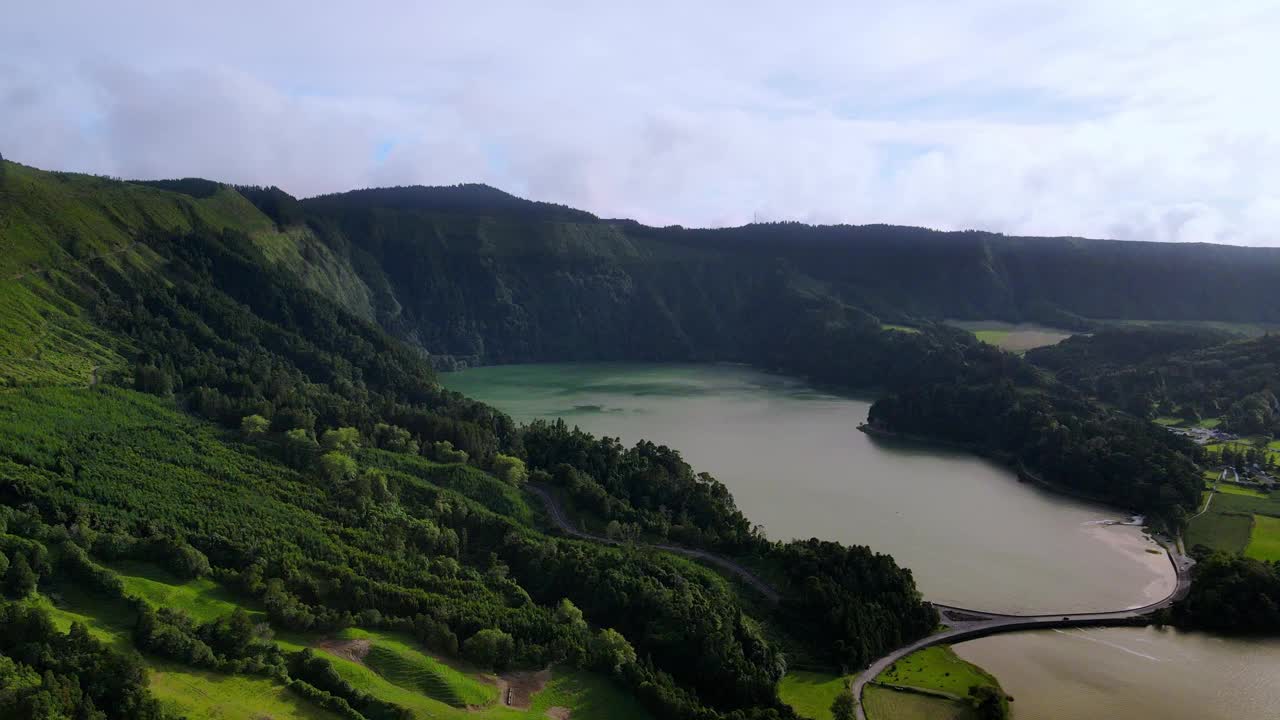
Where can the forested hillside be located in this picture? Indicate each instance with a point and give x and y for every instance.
(238, 431)
(545, 283)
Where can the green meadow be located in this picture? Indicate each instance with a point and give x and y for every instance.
(939, 669)
(811, 693)
(885, 704)
(1239, 520)
(1264, 539)
(1014, 337)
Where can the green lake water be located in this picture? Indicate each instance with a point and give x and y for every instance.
(970, 532)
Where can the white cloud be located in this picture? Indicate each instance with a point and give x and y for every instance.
(1134, 120)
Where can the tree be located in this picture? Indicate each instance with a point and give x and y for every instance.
(395, 439)
(300, 446)
(443, 451)
(343, 440)
(373, 484)
(490, 648)
(252, 425)
(188, 562)
(19, 579)
(611, 651)
(337, 468)
(988, 702)
(151, 379)
(842, 707)
(568, 614)
(510, 469)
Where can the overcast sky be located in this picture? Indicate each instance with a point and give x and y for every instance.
(1111, 118)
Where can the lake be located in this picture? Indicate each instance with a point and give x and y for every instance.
(797, 464)
(971, 533)
(1132, 673)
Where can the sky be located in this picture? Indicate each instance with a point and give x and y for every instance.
(1114, 118)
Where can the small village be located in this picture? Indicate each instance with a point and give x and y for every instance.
(1249, 462)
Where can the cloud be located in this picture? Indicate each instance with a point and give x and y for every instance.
(1132, 120)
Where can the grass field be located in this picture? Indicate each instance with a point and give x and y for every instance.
(885, 704)
(1229, 523)
(206, 695)
(1014, 337)
(899, 328)
(109, 622)
(936, 668)
(1245, 491)
(587, 695)
(1220, 531)
(811, 693)
(202, 599)
(1264, 540)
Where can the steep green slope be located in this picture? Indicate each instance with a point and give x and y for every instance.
(487, 282)
(59, 232)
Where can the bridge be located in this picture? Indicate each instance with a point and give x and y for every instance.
(962, 623)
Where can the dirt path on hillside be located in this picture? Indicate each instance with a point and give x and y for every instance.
(353, 650)
(516, 689)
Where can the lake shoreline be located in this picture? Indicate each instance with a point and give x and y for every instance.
(1023, 474)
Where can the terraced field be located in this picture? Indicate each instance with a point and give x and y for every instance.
(396, 659)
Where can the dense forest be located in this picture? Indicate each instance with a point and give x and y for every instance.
(1051, 436)
(1231, 594)
(1189, 374)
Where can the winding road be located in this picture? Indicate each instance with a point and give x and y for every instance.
(558, 517)
(962, 623)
